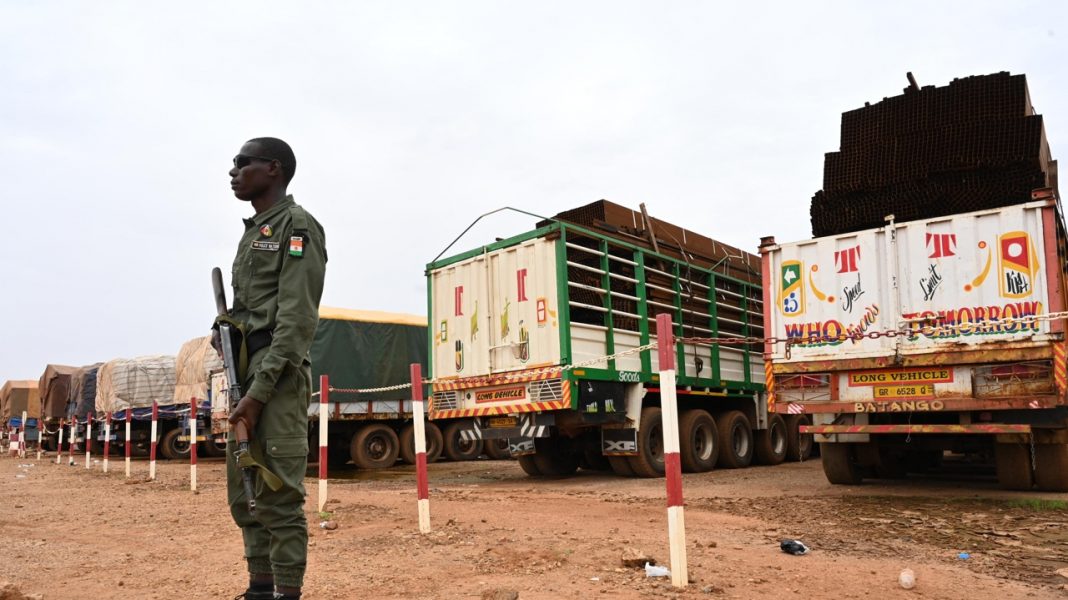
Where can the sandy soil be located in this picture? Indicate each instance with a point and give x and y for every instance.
(72, 533)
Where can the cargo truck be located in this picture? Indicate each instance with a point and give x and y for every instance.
(360, 349)
(912, 339)
(542, 339)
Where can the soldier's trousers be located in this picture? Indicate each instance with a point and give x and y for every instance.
(276, 536)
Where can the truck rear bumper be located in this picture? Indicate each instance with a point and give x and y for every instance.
(991, 428)
(920, 405)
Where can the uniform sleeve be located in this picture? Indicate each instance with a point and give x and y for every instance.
(300, 286)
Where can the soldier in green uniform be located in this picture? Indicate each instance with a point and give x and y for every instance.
(278, 280)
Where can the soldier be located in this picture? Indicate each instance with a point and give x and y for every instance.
(278, 281)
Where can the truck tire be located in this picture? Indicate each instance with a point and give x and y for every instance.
(434, 442)
(526, 462)
(455, 447)
(649, 461)
(839, 465)
(1051, 467)
(735, 440)
(770, 445)
(374, 446)
(169, 446)
(698, 441)
(217, 449)
(497, 449)
(1013, 463)
(555, 457)
(798, 446)
(620, 466)
(595, 461)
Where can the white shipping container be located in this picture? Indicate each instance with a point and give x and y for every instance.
(967, 272)
(496, 312)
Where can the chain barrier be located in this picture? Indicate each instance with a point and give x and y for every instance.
(910, 332)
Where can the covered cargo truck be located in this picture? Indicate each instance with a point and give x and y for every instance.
(81, 399)
(134, 384)
(195, 364)
(54, 390)
(16, 397)
(512, 321)
(360, 349)
(915, 338)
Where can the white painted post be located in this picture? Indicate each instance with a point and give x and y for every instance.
(418, 416)
(22, 435)
(59, 444)
(88, 439)
(193, 444)
(70, 443)
(324, 403)
(672, 465)
(107, 438)
(128, 446)
(152, 442)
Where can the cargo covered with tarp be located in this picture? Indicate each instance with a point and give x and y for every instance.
(54, 389)
(196, 361)
(82, 398)
(361, 349)
(17, 396)
(135, 382)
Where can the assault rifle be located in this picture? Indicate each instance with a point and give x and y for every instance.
(229, 357)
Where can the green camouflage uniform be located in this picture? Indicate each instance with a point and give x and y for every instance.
(278, 280)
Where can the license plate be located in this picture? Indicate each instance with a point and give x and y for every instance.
(503, 422)
(885, 392)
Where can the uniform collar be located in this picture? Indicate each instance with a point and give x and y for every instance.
(270, 213)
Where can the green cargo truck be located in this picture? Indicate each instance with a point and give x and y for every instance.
(539, 339)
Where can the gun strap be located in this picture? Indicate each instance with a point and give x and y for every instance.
(246, 461)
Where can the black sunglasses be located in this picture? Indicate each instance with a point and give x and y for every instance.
(243, 160)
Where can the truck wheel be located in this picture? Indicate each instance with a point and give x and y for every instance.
(1051, 467)
(649, 461)
(698, 442)
(433, 443)
(620, 466)
(457, 448)
(595, 461)
(839, 465)
(218, 449)
(1013, 463)
(798, 447)
(735, 440)
(554, 457)
(770, 445)
(374, 446)
(526, 462)
(170, 447)
(497, 449)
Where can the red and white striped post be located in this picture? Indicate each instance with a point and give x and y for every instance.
(70, 444)
(59, 442)
(152, 445)
(88, 439)
(418, 416)
(665, 339)
(324, 410)
(128, 445)
(22, 435)
(193, 444)
(107, 438)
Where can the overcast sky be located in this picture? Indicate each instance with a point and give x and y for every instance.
(118, 121)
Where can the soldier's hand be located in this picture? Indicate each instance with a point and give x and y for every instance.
(247, 410)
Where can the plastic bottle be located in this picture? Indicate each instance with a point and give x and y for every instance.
(907, 579)
(656, 571)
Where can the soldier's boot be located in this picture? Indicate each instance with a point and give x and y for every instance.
(251, 594)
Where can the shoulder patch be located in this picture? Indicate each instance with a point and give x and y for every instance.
(296, 245)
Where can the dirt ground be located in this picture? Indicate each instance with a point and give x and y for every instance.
(71, 533)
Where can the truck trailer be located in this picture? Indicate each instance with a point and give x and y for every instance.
(927, 316)
(543, 339)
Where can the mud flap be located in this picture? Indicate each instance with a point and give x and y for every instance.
(619, 442)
